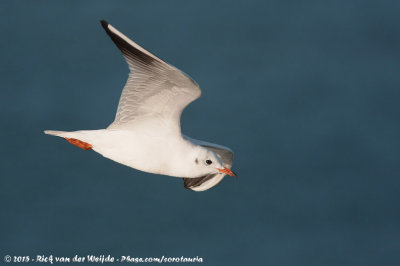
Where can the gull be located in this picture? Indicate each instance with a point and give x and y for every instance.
(146, 133)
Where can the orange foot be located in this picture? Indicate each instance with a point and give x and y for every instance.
(80, 144)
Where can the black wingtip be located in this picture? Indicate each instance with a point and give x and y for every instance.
(127, 49)
(104, 24)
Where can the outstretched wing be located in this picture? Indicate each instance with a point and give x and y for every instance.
(208, 181)
(155, 91)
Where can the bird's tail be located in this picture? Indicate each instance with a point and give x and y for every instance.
(77, 138)
(56, 133)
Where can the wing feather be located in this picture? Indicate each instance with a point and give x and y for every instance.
(154, 89)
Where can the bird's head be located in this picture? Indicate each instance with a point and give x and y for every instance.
(208, 162)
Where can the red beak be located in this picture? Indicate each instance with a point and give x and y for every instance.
(227, 172)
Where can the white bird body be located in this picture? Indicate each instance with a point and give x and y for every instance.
(142, 149)
(146, 133)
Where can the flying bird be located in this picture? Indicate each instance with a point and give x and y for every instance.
(146, 133)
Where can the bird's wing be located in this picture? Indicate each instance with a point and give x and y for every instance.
(204, 182)
(208, 181)
(155, 91)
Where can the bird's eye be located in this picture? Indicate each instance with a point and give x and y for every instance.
(208, 162)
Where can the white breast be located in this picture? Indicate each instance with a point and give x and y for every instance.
(146, 151)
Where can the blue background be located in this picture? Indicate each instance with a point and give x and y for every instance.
(305, 92)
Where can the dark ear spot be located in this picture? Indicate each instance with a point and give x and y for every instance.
(196, 161)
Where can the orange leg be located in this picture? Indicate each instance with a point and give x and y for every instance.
(80, 144)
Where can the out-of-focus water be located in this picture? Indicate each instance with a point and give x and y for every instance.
(305, 92)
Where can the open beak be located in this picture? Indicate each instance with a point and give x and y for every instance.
(227, 172)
